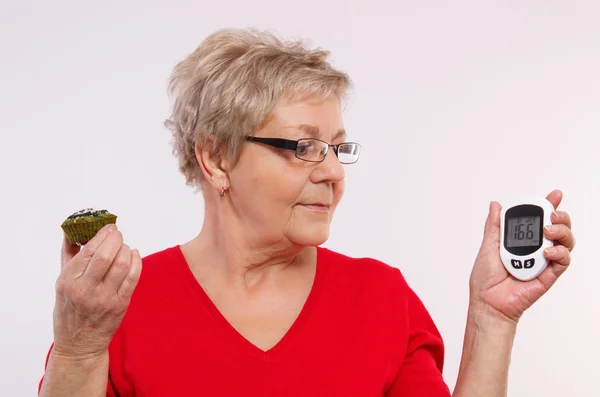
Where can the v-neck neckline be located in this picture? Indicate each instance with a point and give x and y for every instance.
(234, 334)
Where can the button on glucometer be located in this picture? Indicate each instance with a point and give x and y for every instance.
(529, 263)
(516, 264)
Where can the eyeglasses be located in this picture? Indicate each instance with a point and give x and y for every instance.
(312, 149)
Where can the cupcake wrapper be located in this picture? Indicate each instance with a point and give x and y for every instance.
(80, 232)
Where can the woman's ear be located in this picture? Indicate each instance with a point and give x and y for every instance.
(214, 167)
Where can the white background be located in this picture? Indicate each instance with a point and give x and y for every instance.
(456, 103)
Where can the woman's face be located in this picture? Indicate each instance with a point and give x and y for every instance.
(279, 197)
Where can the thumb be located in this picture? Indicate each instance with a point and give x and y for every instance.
(492, 224)
(67, 252)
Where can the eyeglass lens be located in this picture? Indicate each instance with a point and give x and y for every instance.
(315, 150)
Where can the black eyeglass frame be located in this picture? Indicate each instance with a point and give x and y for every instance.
(289, 144)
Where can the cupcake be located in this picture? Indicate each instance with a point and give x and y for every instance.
(83, 225)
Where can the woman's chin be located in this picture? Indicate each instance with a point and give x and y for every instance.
(311, 235)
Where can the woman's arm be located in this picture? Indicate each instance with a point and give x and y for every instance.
(75, 376)
(486, 354)
(93, 291)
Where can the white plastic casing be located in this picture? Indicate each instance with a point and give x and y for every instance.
(541, 262)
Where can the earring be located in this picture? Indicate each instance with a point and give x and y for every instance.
(223, 191)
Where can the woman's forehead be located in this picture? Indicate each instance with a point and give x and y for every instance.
(312, 118)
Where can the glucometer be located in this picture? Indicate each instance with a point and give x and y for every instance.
(522, 240)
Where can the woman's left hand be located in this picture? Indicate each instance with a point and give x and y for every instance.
(493, 288)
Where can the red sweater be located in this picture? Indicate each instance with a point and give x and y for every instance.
(362, 332)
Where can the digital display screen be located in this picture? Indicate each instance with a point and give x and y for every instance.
(523, 231)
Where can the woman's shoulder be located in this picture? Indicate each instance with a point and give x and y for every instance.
(161, 257)
(164, 275)
(356, 263)
(378, 283)
(158, 266)
(364, 270)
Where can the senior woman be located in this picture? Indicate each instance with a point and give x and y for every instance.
(253, 305)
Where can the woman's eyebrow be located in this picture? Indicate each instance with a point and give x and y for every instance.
(314, 132)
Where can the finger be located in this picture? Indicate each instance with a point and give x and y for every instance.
(560, 234)
(491, 230)
(119, 268)
(561, 217)
(555, 197)
(75, 268)
(68, 251)
(131, 279)
(559, 255)
(103, 258)
(560, 260)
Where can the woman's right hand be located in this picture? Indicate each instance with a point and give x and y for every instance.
(93, 292)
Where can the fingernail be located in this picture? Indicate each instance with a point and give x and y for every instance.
(136, 252)
(112, 227)
(549, 228)
(550, 251)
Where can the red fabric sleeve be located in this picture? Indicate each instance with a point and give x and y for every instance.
(45, 366)
(421, 372)
(109, 390)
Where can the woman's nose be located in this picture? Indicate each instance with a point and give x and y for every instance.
(330, 168)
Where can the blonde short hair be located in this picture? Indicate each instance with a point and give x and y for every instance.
(227, 88)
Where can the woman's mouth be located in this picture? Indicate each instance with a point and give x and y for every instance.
(317, 207)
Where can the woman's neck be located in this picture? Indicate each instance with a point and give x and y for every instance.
(225, 250)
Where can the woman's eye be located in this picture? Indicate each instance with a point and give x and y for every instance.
(347, 149)
(305, 148)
